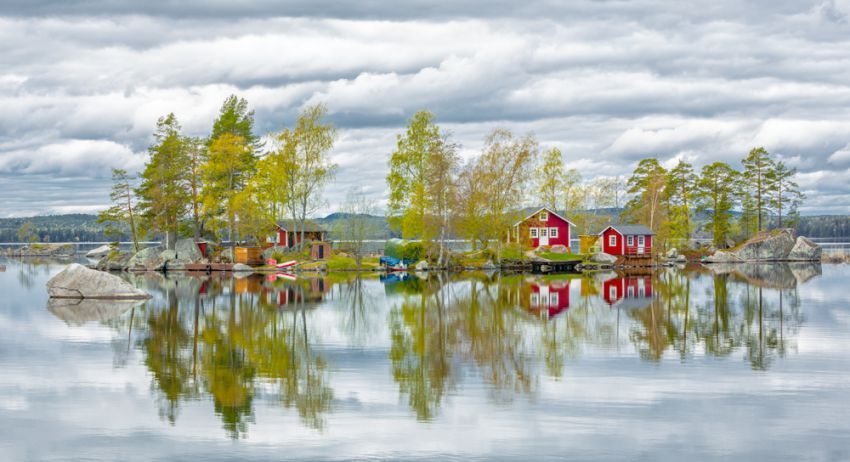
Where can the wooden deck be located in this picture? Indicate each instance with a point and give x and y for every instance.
(540, 267)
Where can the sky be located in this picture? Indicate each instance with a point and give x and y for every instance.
(82, 83)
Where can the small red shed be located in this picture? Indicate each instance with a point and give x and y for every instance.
(627, 240)
(288, 233)
(544, 227)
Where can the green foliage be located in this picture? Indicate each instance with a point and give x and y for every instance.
(757, 183)
(235, 119)
(550, 175)
(715, 194)
(27, 233)
(679, 190)
(122, 215)
(413, 251)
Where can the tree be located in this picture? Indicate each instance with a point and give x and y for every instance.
(163, 193)
(505, 169)
(784, 194)
(714, 194)
(441, 192)
(123, 209)
(681, 184)
(409, 200)
(647, 185)
(757, 181)
(225, 174)
(27, 232)
(357, 225)
(470, 204)
(235, 118)
(551, 177)
(305, 155)
(196, 151)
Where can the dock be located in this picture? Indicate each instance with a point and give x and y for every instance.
(541, 267)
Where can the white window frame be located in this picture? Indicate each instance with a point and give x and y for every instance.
(535, 299)
(544, 216)
(641, 241)
(532, 232)
(553, 232)
(612, 240)
(553, 299)
(641, 292)
(631, 241)
(544, 300)
(612, 292)
(544, 232)
(631, 292)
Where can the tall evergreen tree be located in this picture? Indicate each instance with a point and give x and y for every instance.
(715, 194)
(235, 118)
(680, 189)
(785, 194)
(163, 193)
(123, 209)
(758, 182)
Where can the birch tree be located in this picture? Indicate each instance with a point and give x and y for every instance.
(647, 185)
(550, 175)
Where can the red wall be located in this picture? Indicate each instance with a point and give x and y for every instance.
(614, 290)
(617, 248)
(553, 222)
(537, 304)
(623, 243)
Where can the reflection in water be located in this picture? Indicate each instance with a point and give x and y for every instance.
(240, 341)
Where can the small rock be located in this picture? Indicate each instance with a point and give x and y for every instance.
(240, 268)
(77, 281)
(672, 253)
(99, 252)
(604, 258)
(559, 248)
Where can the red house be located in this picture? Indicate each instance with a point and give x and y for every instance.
(627, 240)
(548, 299)
(543, 228)
(630, 291)
(288, 233)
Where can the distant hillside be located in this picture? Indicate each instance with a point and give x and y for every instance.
(84, 228)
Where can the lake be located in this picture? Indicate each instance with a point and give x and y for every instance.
(724, 363)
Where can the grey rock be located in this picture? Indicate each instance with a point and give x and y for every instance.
(672, 253)
(722, 256)
(146, 259)
(422, 265)
(77, 281)
(805, 250)
(114, 262)
(267, 253)
(240, 268)
(560, 248)
(681, 259)
(604, 258)
(768, 246)
(489, 265)
(99, 252)
(187, 251)
(44, 250)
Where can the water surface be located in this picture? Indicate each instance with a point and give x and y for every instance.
(744, 363)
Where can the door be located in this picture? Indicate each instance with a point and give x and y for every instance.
(321, 252)
(544, 236)
(641, 243)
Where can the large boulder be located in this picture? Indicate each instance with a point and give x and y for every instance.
(672, 253)
(99, 252)
(187, 251)
(603, 258)
(422, 265)
(77, 281)
(268, 253)
(722, 256)
(767, 246)
(805, 250)
(559, 248)
(146, 259)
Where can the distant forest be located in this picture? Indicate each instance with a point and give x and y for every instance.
(84, 228)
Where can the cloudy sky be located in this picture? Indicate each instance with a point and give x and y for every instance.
(608, 82)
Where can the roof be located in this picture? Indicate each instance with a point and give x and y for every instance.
(627, 230)
(548, 210)
(294, 225)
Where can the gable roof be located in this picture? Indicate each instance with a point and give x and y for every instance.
(627, 230)
(294, 225)
(548, 210)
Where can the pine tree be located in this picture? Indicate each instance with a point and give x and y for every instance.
(680, 189)
(123, 209)
(758, 183)
(715, 194)
(785, 194)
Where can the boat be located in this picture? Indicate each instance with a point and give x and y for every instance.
(287, 276)
(286, 264)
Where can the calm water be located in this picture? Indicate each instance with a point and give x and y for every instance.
(751, 363)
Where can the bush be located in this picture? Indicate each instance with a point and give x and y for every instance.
(413, 251)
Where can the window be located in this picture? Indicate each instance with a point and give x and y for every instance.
(641, 292)
(612, 240)
(631, 292)
(640, 241)
(553, 232)
(533, 232)
(544, 216)
(534, 299)
(631, 241)
(543, 232)
(553, 299)
(612, 292)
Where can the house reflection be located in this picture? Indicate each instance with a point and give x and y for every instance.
(631, 292)
(546, 298)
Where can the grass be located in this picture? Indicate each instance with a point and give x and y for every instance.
(560, 256)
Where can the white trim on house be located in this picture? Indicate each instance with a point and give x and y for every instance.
(612, 241)
(532, 232)
(631, 240)
(549, 211)
(553, 232)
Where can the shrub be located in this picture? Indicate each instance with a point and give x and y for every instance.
(413, 251)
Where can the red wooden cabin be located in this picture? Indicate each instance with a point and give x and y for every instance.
(543, 228)
(627, 240)
(288, 233)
